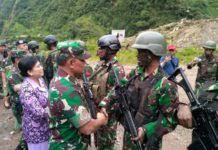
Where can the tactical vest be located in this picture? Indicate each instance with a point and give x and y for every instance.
(99, 85)
(137, 94)
(50, 66)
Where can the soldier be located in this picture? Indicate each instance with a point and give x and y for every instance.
(50, 66)
(207, 75)
(14, 84)
(70, 119)
(103, 81)
(33, 46)
(153, 99)
(2, 64)
(22, 45)
(5, 67)
(207, 68)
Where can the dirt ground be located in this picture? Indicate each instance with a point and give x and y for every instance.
(178, 139)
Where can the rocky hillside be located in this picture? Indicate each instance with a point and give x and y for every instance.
(187, 33)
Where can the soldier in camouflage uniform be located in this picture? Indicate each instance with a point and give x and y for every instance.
(102, 82)
(2, 66)
(70, 119)
(207, 75)
(33, 47)
(22, 46)
(50, 66)
(14, 83)
(207, 68)
(5, 67)
(153, 99)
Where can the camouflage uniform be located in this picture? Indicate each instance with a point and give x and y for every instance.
(153, 103)
(207, 73)
(15, 78)
(1, 70)
(67, 112)
(152, 98)
(50, 66)
(103, 81)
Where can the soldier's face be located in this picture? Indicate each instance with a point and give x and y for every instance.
(23, 47)
(144, 58)
(208, 52)
(2, 48)
(102, 53)
(36, 71)
(77, 66)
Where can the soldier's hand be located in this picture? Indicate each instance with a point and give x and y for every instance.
(103, 110)
(141, 134)
(184, 116)
(103, 118)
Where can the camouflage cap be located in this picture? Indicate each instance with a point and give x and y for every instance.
(17, 53)
(74, 48)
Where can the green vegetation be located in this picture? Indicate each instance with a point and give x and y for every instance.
(186, 55)
(128, 56)
(213, 8)
(86, 19)
(89, 19)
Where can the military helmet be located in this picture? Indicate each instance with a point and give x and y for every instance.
(110, 41)
(33, 45)
(50, 39)
(152, 41)
(210, 45)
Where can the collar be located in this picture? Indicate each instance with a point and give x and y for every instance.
(143, 75)
(112, 61)
(62, 73)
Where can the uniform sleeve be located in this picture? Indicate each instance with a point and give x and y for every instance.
(73, 106)
(120, 74)
(14, 79)
(167, 95)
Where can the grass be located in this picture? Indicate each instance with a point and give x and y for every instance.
(186, 55)
(128, 56)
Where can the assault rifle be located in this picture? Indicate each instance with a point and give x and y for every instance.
(89, 97)
(203, 117)
(121, 93)
(90, 101)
